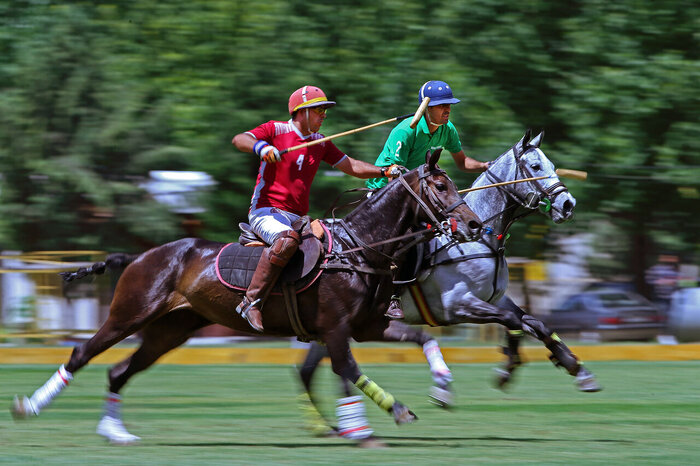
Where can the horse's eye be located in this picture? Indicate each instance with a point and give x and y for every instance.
(441, 187)
(537, 167)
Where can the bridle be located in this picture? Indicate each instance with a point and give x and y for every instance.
(445, 227)
(540, 196)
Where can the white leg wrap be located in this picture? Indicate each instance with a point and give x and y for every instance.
(111, 426)
(113, 405)
(47, 392)
(441, 373)
(352, 421)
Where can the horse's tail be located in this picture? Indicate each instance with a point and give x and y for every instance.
(116, 261)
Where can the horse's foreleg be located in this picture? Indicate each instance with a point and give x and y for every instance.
(344, 365)
(561, 354)
(159, 337)
(511, 348)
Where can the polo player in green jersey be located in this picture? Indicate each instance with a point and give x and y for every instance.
(407, 147)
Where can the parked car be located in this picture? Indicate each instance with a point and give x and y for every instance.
(608, 313)
(684, 314)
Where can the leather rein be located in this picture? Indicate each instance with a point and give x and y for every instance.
(445, 227)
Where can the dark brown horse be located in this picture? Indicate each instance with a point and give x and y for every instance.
(169, 292)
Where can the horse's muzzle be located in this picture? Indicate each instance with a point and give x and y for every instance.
(469, 232)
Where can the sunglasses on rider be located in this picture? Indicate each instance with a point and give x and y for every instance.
(320, 110)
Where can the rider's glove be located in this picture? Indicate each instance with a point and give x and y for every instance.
(266, 152)
(392, 171)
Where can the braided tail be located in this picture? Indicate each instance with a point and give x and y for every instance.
(114, 261)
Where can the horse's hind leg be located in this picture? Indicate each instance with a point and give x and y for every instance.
(113, 331)
(315, 421)
(561, 355)
(129, 312)
(159, 337)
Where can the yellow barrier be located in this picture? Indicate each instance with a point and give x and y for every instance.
(364, 355)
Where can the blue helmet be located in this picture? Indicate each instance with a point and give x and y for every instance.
(438, 91)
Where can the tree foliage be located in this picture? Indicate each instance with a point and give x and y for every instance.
(94, 95)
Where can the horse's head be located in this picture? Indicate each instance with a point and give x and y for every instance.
(438, 201)
(526, 160)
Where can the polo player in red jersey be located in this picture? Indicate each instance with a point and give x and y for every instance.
(282, 189)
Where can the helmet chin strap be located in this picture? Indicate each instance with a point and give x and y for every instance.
(308, 128)
(430, 121)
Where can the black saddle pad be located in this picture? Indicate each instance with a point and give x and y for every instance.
(235, 265)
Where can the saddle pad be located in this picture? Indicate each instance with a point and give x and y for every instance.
(235, 265)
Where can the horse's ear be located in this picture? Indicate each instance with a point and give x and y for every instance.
(526, 139)
(537, 140)
(432, 159)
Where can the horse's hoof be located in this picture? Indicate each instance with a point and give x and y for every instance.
(22, 408)
(371, 442)
(502, 378)
(326, 432)
(441, 397)
(402, 415)
(586, 382)
(113, 430)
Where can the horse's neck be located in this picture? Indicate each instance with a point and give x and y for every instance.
(380, 218)
(493, 207)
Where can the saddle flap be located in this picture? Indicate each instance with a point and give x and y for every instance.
(304, 260)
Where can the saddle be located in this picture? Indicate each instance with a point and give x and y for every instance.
(236, 263)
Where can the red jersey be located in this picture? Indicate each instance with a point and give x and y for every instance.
(287, 184)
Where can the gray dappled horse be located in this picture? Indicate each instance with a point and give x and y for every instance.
(466, 282)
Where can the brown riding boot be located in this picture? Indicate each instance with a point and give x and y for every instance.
(272, 261)
(395, 311)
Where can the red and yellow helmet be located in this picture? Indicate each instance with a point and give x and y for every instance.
(307, 97)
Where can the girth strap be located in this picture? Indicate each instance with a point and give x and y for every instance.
(290, 299)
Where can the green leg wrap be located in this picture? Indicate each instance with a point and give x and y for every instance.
(314, 420)
(383, 399)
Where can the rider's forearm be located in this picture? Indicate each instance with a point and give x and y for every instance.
(471, 165)
(244, 142)
(360, 169)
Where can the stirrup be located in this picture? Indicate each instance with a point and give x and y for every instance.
(243, 310)
(394, 310)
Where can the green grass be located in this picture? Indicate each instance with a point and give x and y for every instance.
(648, 413)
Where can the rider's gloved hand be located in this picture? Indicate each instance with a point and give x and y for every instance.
(392, 171)
(267, 152)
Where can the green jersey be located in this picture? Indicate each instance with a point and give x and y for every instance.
(407, 147)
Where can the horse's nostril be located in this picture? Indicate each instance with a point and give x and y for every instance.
(567, 208)
(474, 226)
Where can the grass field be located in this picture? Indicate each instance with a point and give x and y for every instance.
(648, 413)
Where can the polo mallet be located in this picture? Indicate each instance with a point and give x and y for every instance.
(562, 172)
(416, 117)
(419, 112)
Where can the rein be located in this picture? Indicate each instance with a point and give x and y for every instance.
(446, 227)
